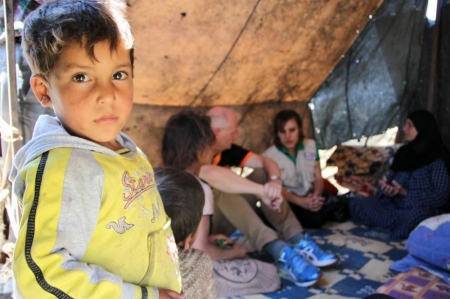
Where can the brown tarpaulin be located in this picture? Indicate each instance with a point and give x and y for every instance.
(254, 56)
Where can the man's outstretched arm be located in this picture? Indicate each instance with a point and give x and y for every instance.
(227, 181)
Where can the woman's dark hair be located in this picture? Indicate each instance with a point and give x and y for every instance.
(280, 121)
(183, 199)
(186, 135)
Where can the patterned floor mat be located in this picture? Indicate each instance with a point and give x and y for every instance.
(365, 256)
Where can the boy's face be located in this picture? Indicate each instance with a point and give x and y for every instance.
(92, 98)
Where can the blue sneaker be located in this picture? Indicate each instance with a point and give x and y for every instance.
(295, 268)
(311, 252)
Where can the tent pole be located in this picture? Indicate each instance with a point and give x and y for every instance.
(9, 117)
(434, 54)
(12, 117)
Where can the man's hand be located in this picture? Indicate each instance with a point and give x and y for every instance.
(168, 294)
(272, 195)
(273, 203)
(273, 189)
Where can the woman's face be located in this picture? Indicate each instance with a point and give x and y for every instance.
(289, 134)
(205, 156)
(409, 130)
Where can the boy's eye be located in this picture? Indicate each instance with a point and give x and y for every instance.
(81, 78)
(119, 76)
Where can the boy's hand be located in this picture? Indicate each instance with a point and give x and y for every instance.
(212, 238)
(239, 250)
(169, 294)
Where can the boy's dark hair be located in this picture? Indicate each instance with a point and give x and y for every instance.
(57, 24)
(186, 135)
(280, 121)
(183, 199)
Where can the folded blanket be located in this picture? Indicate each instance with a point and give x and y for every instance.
(429, 248)
(409, 262)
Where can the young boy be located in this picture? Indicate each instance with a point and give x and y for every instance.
(183, 198)
(93, 223)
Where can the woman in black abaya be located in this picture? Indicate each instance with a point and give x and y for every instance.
(418, 183)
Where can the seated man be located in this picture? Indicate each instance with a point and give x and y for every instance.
(232, 211)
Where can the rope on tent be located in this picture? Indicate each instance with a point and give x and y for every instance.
(227, 55)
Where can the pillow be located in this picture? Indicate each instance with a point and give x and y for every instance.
(357, 160)
(430, 241)
(245, 276)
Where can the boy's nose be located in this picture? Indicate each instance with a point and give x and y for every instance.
(106, 93)
(107, 99)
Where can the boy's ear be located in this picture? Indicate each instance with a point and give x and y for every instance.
(40, 90)
(183, 245)
(188, 242)
(186, 245)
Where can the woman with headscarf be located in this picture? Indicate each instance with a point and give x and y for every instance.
(418, 183)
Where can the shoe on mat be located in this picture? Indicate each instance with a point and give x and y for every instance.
(312, 253)
(295, 268)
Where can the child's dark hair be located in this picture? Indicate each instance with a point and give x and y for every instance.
(57, 24)
(186, 134)
(183, 198)
(280, 121)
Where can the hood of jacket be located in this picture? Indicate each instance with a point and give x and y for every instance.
(49, 133)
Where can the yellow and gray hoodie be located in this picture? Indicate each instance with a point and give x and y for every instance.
(93, 224)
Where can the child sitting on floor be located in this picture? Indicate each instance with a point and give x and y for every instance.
(183, 199)
(93, 224)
